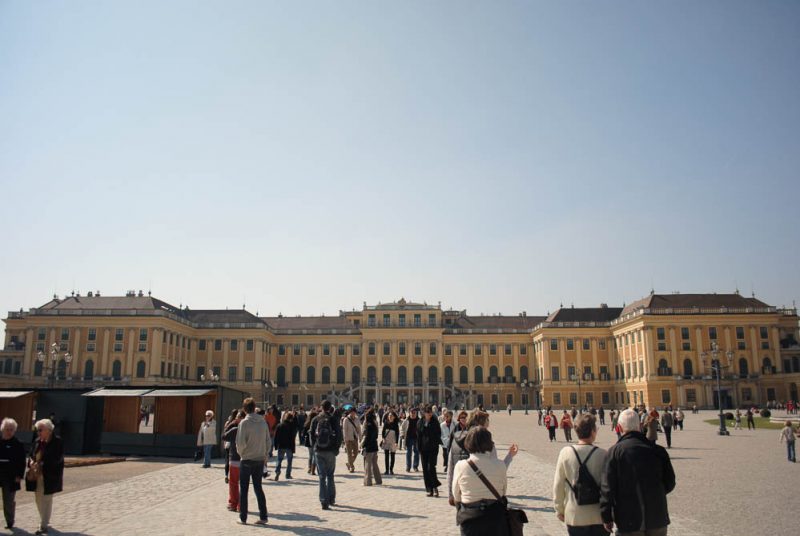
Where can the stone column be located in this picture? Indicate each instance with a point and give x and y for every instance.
(775, 346)
(133, 342)
(105, 370)
(30, 344)
(73, 370)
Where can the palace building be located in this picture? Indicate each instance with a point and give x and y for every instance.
(656, 351)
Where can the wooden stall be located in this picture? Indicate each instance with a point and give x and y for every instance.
(19, 405)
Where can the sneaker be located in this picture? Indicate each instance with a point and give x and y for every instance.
(261, 522)
(242, 521)
(288, 477)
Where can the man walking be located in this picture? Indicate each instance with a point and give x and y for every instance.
(411, 441)
(326, 436)
(251, 443)
(666, 424)
(351, 429)
(602, 414)
(636, 479)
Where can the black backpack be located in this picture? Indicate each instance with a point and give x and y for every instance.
(459, 453)
(326, 435)
(585, 488)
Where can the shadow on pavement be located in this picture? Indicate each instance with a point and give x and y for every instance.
(377, 513)
(528, 498)
(295, 516)
(307, 531)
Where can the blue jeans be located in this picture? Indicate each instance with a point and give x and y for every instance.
(207, 455)
(251, 469)
(326, 465)
(790, 452)
(411, 445)
(289, 455)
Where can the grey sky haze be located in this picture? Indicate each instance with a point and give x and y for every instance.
(307, 156)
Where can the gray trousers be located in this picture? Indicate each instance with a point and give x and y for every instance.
(44, 503)
(9, 504)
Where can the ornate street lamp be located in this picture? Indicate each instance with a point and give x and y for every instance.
(51, 369)
(717, 367)
(525, 385)
(577, 379)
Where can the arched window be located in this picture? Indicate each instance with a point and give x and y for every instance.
(386, 375)
(311, 375)
(140, 368)
(508, 373)
(478, 374)
(448, 375)
(433, 374)
(295, 374)
(402, 375)
(744, 369)
(662, 367)
(88, 369)
(281, 379)
(116, 370)
(37, 368)
(493, 374)
(523, 373)
(62, 369)
(463, 375)
(688, 369)
(340, 374)
(7, 366)
(767, 366)
(418, 375)
(326, 374)
(372, 375)
(356, 375)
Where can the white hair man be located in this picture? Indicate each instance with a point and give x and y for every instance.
(12, 467)
(637, 477)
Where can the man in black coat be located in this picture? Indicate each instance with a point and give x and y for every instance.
(636, 479)
(12, 467)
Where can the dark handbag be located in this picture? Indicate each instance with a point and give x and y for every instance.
(516, 518)
(198, 454)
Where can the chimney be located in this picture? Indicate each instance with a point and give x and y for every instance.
(141, 293)
(524, 313)
(89, 295)
(603, 306)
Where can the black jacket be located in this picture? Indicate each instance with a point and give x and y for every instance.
(229, 435)
(636, 479)
(12, 462)
(336, 428)
(370, 436)
(284, 435)
(52, 465)
(429, 435)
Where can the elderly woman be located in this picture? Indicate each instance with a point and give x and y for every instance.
(45, 471)
(12, 467)
(207, 437)
(479, 511)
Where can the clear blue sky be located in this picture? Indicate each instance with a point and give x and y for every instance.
(496, 156)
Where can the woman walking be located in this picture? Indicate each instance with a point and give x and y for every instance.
(566, 425)
(234, 460)
(12, 468)
(207, 437)
(390, 433)
(45, 471)
(448, 425)
(651, 426)
(226, 445)
(285, 434)
(312, 462)
(478, 510)
(369, 446)
(552, 425)
(787, 435)
(429, 435)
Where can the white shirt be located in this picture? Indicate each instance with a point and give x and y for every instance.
(564, 501)
(468, 487)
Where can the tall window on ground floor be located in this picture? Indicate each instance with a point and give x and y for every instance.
(666, 396)
(417, 375)
(478, 374)
(433, 374)
(688, 369)
(88, 369)
(356, 375)
(116, 370)
(463, 375)
(402, 376)
(295, 374)
(523, 373)
(372, 375)
(140, 368)
(311, 375)
(448, 375)
(386, 375)
(340, 373)
(508, 373)
(326, 375)
(281, 376)
(743, 368)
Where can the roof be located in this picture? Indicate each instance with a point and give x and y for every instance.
(221, 316)
(400, 304)
(674, 301)
(308, 322)
(497, 322)
(585, 314)
(109, 302)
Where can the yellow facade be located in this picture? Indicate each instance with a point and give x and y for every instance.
(404, 352)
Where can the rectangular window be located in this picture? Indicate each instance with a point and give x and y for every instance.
(586, 344)
(507, 349)
(64, 334)
(571, 372)
(371, 321)
(143, 334)
(90, 346)
(712, 333)
(570, 344)
(312, 349)
(762, 331)
(686, 346)
(340, 350)
(556, 399)
(431, 320)
(387, 348)
(232, 373)
(387, 321)
(295, 400)
(691, 396)
(660, 334)
(602, 344)
(765, 345)
(201, 344)
(741, 345)
(117, 346)
(142, 346)
(417, 321)
(118, 334)
(555, 374)
(92, 334)
(42, 334)
(234, 345)
(217, 345)
(740, 332)
(402, 320)
(685, 334)
(417, 348)
(356, 349)
(249, 345)
(432, 348)
(478, 349)
(553, 344)
(590, 399)
(605, 398)
(448, 350)
(523, 349)
(662, 347)
(401, 348)
(295, 349)
(462, 349)
(371, 349)
(747, 393)
(201, 371)
(248, 374)
(281, 349)
(326, 349)
(573, 399)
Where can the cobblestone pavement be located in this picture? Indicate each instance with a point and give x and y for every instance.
(186, 499)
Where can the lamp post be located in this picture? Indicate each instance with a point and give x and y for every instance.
(51, 371)
(525, 385)
(577, 379)
(717, 367)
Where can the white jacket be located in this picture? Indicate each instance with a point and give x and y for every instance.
(447, 431)
(207, 435)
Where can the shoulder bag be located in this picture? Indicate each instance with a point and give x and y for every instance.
(515, 517)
